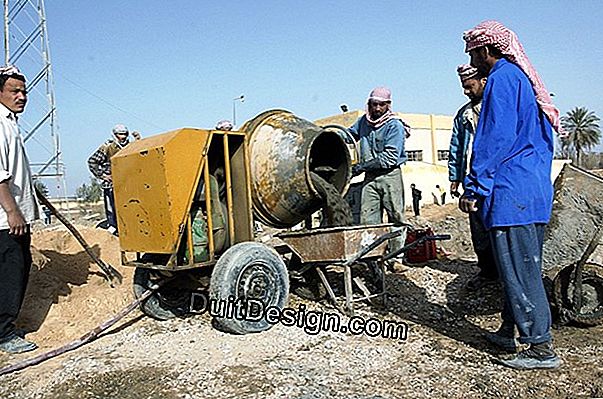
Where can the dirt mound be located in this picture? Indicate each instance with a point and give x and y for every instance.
(67, 295)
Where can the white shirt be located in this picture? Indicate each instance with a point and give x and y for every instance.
(14, 167)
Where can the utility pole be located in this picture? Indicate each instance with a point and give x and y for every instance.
(26, 46)
(240, 98)
(6, 47)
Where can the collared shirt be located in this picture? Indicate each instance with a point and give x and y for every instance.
(512, 152)
(385, 143)
(14, 168)
(463, 129)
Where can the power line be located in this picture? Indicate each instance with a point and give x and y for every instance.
(109, 103)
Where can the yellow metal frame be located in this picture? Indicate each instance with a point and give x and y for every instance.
(188, 151)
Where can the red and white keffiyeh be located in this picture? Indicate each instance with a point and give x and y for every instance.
(383, 94)
(506, 41)
(466, 72)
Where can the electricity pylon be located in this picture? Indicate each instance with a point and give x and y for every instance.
(26, 46)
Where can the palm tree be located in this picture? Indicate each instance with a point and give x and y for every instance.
(582, 131)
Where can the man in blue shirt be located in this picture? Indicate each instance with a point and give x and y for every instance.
(509, 185)
(381, 134)
(463, 131)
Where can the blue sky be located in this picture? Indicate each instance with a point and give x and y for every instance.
(160, 65)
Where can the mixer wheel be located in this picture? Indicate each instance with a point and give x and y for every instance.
(248, 279)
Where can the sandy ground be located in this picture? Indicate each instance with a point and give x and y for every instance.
(444, 354)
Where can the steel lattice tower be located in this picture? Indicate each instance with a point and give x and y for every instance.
(26, 46)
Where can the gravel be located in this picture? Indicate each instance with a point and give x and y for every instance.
(444, 356)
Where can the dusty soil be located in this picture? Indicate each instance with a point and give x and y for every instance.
(444, 355)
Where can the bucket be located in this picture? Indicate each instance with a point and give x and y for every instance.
(283, 150)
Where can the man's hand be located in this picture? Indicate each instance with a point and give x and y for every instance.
(454, 189)
(16, 223)
(467, 204)
(107, 178)
(357, 169)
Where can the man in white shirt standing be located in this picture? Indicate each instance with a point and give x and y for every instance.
(18, 209)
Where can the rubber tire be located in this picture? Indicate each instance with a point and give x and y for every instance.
(313, 288)
(592, 276)
(235, 264)
(154, 306)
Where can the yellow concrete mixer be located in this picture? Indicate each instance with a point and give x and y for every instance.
(186, 202)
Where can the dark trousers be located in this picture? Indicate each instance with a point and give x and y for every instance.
(518, 253)
(110, 207)
(15, 263)
(482, 247)
(416, 207)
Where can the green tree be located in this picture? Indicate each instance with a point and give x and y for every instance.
(92, 192)
(583, 132)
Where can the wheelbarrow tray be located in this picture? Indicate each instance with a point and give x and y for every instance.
(336, 244)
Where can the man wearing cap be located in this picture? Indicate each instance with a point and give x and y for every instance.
(381, 136)
(19, 209)
(463, 130)
(509, 185)
(99, 164)
(224, 124)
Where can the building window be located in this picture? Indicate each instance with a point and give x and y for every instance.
(416, 155)
(443, 155)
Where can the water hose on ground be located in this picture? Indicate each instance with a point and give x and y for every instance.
(84, 339)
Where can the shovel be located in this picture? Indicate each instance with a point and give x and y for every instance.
(109, 272)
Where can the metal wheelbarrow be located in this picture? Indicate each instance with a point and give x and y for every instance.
(575, 280)
(345, 247)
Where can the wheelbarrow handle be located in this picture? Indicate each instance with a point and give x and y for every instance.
(373, 245)
(438, 237)
(420, 240)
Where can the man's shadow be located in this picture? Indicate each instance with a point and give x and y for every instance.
(51, 280)
(411, 302)
(486, 300)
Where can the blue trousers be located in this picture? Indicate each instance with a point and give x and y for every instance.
(110, 207)
(518, 255)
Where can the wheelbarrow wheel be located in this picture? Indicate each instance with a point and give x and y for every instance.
(310, 287)
(591, 311)
(253, 276)
(169, 302)
(304, 280)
